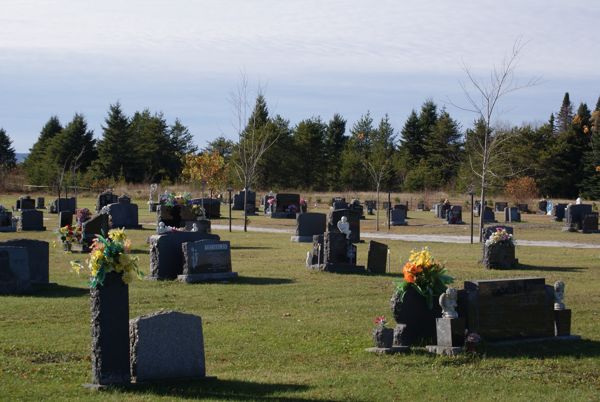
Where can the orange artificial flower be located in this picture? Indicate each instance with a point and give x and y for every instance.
(410, 278)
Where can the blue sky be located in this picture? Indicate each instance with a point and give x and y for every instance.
(312, 58)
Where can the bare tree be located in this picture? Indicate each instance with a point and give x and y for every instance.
(252, 141)
(483, 97)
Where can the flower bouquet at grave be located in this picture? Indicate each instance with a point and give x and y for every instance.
(83, 215)
(171, 199)
(425, 275)
(500, 236)
(382, 335)
(69, 234)
(198, 211)
(110, 254)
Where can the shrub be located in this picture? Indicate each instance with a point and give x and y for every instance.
(521, 189)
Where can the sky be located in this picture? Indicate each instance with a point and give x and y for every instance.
(310, 58)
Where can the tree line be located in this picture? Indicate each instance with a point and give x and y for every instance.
(431, 151)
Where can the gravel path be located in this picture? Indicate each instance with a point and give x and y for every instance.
(421, 238)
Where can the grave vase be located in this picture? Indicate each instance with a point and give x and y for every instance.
(383, 337)
(110, 331)
(67, 246)
(418, 319)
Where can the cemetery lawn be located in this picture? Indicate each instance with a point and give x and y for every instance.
(281, 332)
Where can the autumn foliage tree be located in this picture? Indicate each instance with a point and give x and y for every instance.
(521, 189)
(207, 168)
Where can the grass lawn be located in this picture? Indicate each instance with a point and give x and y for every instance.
(282, 332)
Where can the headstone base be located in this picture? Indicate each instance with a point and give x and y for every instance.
(283, 215)
(8, 229)
(398, 223)
(207, 277)
(339, 268)
(562, 322)
(388, 351)
(535, 340)
(445, 350)
(302, 239)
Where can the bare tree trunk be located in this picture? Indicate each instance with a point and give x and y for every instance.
(377, 217)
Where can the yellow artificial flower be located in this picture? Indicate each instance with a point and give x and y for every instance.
(117, 234)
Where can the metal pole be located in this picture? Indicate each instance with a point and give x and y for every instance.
(472, 206)
(389, 210)
(229, 190)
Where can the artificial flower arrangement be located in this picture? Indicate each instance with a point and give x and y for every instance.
(198, 211)
(500, 236)
(171, 199)
(380, 321)
(110, 254)
(425, 274)
(83, 215)
(70, 234)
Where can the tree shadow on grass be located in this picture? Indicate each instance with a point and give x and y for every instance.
(259, 280)
(56, 290)
(251, 248)
(221, 389)
(545, 349)
(549, 269)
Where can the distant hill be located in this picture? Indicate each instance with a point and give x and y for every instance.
(21, 157)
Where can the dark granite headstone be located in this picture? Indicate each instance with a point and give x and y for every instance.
(499, 255)
(377, 257)
(6, 222)
(510, 308)
(167, 345)
(488, 215)
(38, 252)
(542, 206)
(32, 219)
(105, 199)
(14, 270)
(371, 205)
(523, 208)
(40, 203)
(166, 256)
(63, 204)
(454, 215)
(499, 206)
(339, 204)
(96, 225)
(398, 217)
(26, 203)
(558, 211)
(206, 260)
(339, 255)
(170, 216)
(353, 218)
(65, 218)
(512, 214)
(562, 322)
(122, 214)
(357, 208)
(286, 206)
(212, 207)
(238, 200)
(590, 223)
(574, 215)
(308, 225)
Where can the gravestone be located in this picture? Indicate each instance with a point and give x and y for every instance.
(477, 208)
(286, 206)
(559, 212)
(454, 215)
(437, 210)
(499, 255)
(339, 255)
(97, 225)
(166, 255)
(377, 257)
(212, 207)
(499, 206)
(238, 200)
(40, 203)
(488, 215)
(308, 225)
(65, 218)
(574, 215)
(206, 260)
(334, 217)
(123, 214)
(105, 199)
(421, 206)
(398, 217)
(170, 216)
(202, 225)
(371, 205)
(510, 308)
(166, 345)
(512, 214)
(590, 223)
(6, 221)
(543, 206)
(340, 204)
(63, 204)
(14, 272)
(386, 205)
(523, 208)
(32, 219)
(38, 253)
(266, 203)
(357, 208)
(25, 203)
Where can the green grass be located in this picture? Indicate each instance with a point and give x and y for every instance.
(282, 332)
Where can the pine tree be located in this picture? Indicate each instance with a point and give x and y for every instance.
(36, 170)
(564, 118)
(278, 166)
(309, 141)
(444, 148)
(334, 145)
(8, 159)
(356, 150)
(115, 156)
(412, 141)
(182, 139)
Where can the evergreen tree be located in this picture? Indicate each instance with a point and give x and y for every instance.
(444, 148)
(182, 139)
(565, 115)
(8, 158)
(278, 167)
(334, 145)
(222, 146)
(412, 141)
(115, 156)
(34, 165)
(356, 150)
(309, 140)
(428, 117)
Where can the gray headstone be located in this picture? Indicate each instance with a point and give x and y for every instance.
(14, 270)
(166, 255)
(574, 215)
(206, 256)
(398, 217)
(38, 252)
(512, 214)
(166, 345)
(353, 218)
(377, 257)
(32, 219)
(122, 215)
(308, 225)
(510, 308)
(338, 254)
(454, 215)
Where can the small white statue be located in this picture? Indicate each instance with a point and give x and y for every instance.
(162, 228)
(578, 201)
(194, 227)
(448, 303)
(308, 259)
(559, 295)
(344, 226)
